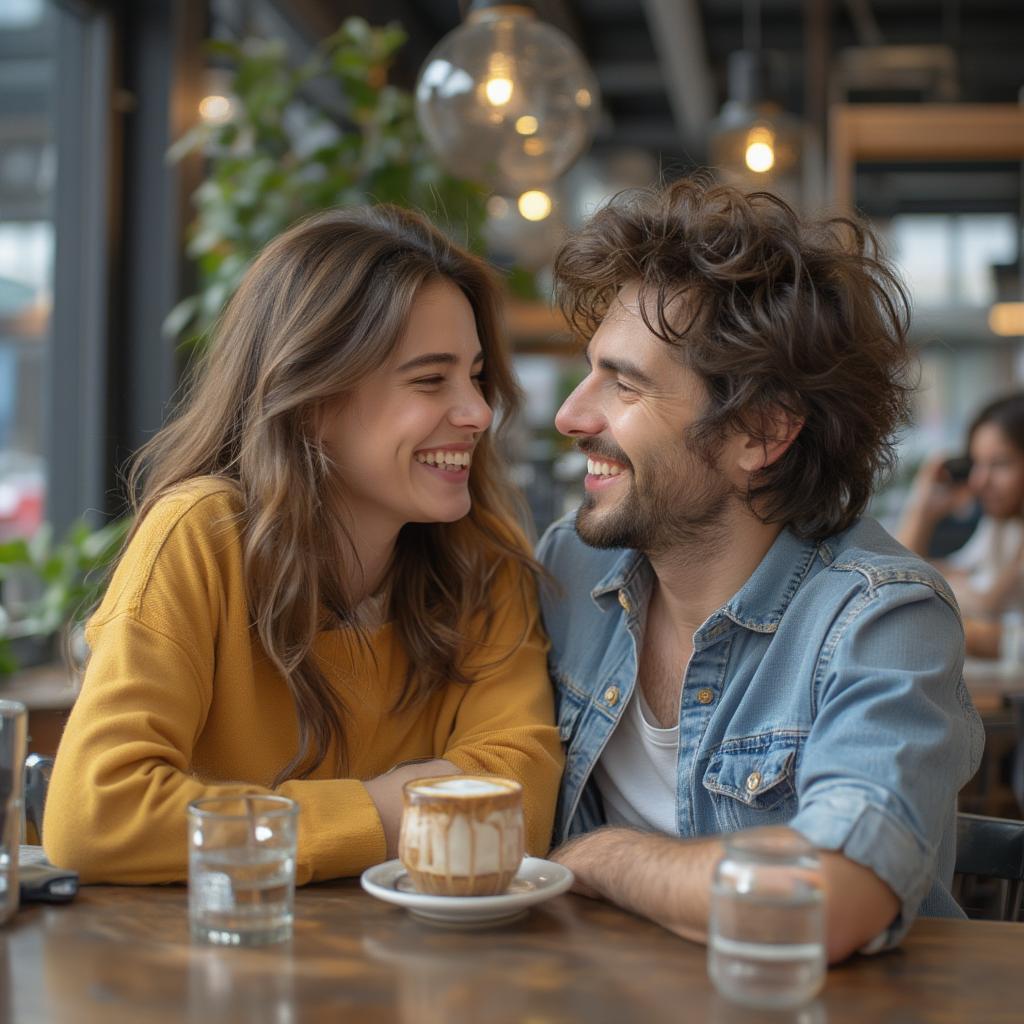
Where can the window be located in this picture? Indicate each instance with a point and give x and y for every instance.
(27, 166)
(950, 259)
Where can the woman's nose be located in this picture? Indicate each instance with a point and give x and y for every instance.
(471, 410)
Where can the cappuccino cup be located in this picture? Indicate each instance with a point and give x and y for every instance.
(462, 835)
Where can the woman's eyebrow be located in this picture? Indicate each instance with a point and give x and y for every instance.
(435, 358)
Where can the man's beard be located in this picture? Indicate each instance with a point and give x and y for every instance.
(673, 501)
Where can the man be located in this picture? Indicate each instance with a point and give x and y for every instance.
(732, 644)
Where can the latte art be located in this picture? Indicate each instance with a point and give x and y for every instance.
(462, 835)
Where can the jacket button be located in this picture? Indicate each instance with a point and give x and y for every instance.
(705, 696)
(753, 781)
(611, 696)
(627, 605)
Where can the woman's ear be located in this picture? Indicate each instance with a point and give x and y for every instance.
(769, 433)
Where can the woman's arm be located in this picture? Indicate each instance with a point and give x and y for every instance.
(171, 666)
(933, 496)
(993, 599)
(505, 720)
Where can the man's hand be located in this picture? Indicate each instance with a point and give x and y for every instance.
(574, 855)
(665, 879)
(386, 792)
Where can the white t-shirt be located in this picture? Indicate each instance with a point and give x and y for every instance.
(637, 774)
(993, 544)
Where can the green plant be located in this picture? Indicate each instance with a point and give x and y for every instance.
(55, 583)
(277, 159)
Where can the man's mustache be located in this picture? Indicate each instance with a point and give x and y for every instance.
(592, 446)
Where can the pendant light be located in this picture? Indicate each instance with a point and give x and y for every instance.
(506, 99)
(753, 141)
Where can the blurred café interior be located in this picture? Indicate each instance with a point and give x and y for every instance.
(147, 151)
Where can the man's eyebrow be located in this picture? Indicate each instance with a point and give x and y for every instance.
(435, 359)
(624, 368)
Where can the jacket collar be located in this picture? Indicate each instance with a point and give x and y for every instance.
(762, 601)
(758, 605)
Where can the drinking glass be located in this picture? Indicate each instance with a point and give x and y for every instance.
(241, 869)
(766, 935)
(13, 733)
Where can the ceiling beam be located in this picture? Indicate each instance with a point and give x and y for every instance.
(678, 34)
(920, 132)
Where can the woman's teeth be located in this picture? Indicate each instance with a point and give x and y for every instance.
(450, 461)
(602, 468)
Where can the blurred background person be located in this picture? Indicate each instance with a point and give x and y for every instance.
(987, 572)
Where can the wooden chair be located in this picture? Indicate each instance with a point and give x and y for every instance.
(991, 849)
(1017, 757)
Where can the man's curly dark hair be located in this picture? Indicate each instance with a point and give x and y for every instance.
(779, 313)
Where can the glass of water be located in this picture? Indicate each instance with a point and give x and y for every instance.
(241, 869)
(766, 934)
(13, 730)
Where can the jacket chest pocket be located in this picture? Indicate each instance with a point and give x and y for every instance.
(752, 780)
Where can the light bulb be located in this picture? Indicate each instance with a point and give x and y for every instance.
(498, 87)
(513, 240)
(498, 91)
(534, 204)
(215, 109)
(506, 100)
(1007, 319)
(760, 152)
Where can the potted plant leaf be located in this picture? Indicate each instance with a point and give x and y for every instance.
(277, 155)
(48, 586)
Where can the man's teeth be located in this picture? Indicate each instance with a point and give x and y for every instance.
(602, 468)
(450, 461)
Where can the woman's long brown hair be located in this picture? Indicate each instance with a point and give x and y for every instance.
(321, 307)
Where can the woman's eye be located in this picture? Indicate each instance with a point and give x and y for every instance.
(429, 382)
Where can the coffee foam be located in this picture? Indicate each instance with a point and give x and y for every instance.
(461, 787)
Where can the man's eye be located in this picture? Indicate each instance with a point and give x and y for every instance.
(624, 389)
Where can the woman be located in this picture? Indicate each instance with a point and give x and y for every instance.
(987, 573)
(324, 594)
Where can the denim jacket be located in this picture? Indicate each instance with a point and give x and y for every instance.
(827, 694)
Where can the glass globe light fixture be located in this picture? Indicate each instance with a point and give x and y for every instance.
(524, 231)
(506, 99)
(753, 142)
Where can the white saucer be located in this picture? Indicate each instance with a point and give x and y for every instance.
(536, 880)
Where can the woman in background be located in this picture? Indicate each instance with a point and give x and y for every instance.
(987, 573)
(325, 594)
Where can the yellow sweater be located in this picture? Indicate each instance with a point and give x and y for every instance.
(179, 702)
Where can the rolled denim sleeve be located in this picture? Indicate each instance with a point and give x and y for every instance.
(894, 738)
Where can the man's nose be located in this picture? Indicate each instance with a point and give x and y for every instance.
(579, 415)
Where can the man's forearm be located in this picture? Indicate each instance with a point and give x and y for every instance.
(665, 879)
(669, 881)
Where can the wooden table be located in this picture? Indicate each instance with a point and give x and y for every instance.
(123, 955)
